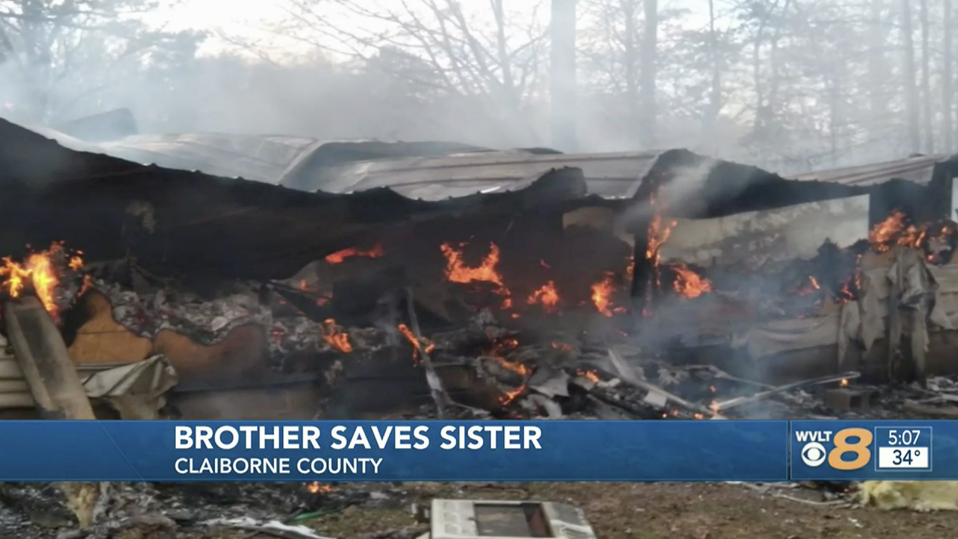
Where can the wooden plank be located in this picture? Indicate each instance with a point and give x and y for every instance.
(54, 384)
(45, 362)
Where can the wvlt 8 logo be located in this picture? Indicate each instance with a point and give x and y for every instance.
(850, 448)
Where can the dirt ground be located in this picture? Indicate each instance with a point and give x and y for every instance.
(674, 511)
(382, 511)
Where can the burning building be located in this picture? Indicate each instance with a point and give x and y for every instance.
(348, 277)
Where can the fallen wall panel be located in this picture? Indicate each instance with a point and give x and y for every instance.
(753, 238)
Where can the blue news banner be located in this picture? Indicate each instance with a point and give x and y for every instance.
(329, 451)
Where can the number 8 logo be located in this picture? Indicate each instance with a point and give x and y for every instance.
(860, 448)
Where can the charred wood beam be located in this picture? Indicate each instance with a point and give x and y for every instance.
(54, 383)
(436, 389)
(643, 272)
(45, 362)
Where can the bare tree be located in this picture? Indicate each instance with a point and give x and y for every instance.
(878, 69)
(485, 52)
(911, 90)
(947, 80)
(926, 99)
(56, 54)
(649, 57)
(715, 90)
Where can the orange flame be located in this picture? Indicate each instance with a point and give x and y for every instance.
(589, 375)
(338, 257)
(513, 366)
(416, 345)
(498, 351)
(844, 382)
(458, 272)
(316, 487)
(510, 396)
(602, 295)
(87, 285)
(335, 337)
(40, 271)
(546, 295)
(658, 233)
(894, 231)
(689, 284)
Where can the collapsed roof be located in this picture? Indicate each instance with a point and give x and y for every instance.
(305, 199)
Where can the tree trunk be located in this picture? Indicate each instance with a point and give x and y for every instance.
(927, 120)
(877, 70)
(946, 80)
(715, 91)
(649, 58)
(910, 84)
(563, 75)
(630, 61)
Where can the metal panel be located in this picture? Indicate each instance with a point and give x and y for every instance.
(916, 169)
(610, 175)
(782, 234)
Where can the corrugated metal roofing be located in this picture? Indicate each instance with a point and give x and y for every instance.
(262, 158)
(608, 175)
(205, 224)
(918, 169)
(332, 194)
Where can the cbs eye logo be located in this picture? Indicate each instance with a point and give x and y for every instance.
(814, 454)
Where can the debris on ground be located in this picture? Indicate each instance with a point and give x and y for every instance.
(914, 495)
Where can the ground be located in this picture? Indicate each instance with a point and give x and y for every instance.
(676, 511)
(382, 511)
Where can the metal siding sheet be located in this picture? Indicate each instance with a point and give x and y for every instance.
(916, 169)
(774, 235)
(613, 175)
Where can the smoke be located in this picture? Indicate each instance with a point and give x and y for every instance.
(335, 86)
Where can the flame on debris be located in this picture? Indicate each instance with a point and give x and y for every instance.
(458, 272)
(336, 338)
(812, 286)
(39, 271)
(892, 231)
(425, 346)
(546, 295)
(658, 233)
(895, 230)
(602, 294)
(498, 353)
(564, 346)
(589, 375)
(87, 284)
(337, 257)
(689, 284)
(510, 396)
(843, 383)
(316, 487)
(500, 347)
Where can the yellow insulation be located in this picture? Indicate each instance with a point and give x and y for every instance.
(914, 495)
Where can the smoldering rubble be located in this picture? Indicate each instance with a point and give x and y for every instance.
(538, 304)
